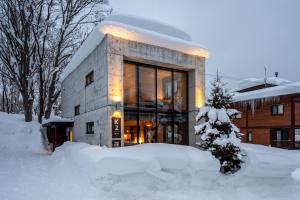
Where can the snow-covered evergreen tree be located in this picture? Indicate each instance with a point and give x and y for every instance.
(218, 135)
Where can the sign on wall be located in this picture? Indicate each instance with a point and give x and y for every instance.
(116, 127)
(116, 143)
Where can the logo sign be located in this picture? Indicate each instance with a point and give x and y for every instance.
(116, 127)
(116, 143)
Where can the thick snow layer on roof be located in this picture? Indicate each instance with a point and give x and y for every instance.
(291, 88)
(56, 119)
(251, 82)
(139, 30)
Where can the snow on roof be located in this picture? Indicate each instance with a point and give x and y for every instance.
(251, 82)
(285, 89)
(56, 119)
(139, 30)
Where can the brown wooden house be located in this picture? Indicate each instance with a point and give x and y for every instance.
(270, 112)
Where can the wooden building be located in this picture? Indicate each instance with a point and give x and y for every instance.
(270, 112)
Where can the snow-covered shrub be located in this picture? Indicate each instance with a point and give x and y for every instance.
(217, 134)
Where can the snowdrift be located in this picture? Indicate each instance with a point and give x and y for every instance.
(155, 159)
(19, 135)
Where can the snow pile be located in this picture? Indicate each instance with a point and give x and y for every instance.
(19, 135)
(135, 29)
(251, 82)
(154, 159)
(150, 172)
(296, 174)
(291, 88)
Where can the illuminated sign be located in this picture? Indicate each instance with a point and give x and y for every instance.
(116, 127)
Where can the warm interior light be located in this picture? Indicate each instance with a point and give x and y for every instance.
(116, 98)
(117, 114)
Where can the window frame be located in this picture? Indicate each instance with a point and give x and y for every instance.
(87, 128)
(89, 78)
(75, 110)
(156, 111)
(277, 110)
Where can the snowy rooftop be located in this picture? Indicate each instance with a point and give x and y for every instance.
(136, 29)
(57, 119)
(251, 82)
(284, 89)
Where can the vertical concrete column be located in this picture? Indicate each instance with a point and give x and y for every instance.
(196, 96)
(115, 93)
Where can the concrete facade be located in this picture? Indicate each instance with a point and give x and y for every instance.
(97, 101)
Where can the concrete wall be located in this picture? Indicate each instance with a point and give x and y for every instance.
(107, 62)
(92, 98)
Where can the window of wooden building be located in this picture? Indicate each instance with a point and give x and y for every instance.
(77, 110)
(90, 128)
(250, 136)
(89, 78)
(277, 109)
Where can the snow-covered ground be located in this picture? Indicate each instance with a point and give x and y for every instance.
(150, 171)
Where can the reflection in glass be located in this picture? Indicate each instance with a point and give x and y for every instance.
(180, 128)
(147, 88)
(130, 87)
(164, 90)
(180, 93)
(147, 128)
(130, 128)
(164, 128)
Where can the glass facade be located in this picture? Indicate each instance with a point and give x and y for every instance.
(155, 105)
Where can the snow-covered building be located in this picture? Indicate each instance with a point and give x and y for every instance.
(134, 81)
(270, 111)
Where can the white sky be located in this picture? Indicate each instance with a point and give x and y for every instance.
(242, 36)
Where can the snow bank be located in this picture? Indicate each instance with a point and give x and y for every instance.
(154, 159)
(296, 174)
(19, 135)
(135, 29)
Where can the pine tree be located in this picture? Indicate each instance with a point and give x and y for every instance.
(217, 134)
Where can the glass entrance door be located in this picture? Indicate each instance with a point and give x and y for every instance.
(155, 105)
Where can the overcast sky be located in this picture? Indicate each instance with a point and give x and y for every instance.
(242, 36)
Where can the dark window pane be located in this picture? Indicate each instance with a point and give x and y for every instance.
(164, 128)
(147, 128)
(180, 129)
(130, 85)
(130, 128)
(147, 88)
(164, 90)
(180, 93)
(90, 128)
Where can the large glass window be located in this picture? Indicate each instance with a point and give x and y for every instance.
(164, 128)
(164, 90)
(155, 105)
(130, 85)
(130, 128)
(180, 88)
(147, 88)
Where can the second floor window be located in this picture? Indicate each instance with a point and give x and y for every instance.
(77, 110)
(277, 109)
(89, 78)
(90, 128)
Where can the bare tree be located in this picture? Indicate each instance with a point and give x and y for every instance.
(61, 27)
(17, 48)
(37, 39)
